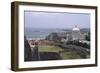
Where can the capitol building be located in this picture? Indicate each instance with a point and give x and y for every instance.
(74, 34)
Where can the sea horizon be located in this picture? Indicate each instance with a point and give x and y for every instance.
(41, 33)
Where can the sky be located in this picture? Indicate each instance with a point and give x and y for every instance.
(37, 19)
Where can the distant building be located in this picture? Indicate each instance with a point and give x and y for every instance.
(72, 35)
(76, 34)
(66, 38)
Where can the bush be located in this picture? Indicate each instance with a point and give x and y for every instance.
(78, 44)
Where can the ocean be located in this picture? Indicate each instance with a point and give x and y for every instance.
(39, 33)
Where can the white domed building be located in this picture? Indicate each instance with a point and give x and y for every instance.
(76, 34)
(75, 29)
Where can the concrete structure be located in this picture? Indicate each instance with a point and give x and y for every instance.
(72, 35)
(76, 34)
(30, 50)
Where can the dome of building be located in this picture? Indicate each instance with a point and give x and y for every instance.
(76, 29)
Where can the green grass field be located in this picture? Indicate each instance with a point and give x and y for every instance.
(49, 48)
(64, 55)
(70, 55)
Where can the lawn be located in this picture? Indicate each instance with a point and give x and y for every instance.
(70, 55)
(65, 55)
(49, 48)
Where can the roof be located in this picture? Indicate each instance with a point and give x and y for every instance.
(76, 29)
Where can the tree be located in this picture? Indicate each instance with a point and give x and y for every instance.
(53, 37)
(88, 37)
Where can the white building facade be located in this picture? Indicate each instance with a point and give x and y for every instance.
(76, 34)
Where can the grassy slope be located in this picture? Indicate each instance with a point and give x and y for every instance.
(48, 48)
(70, 55)
(65, 55)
